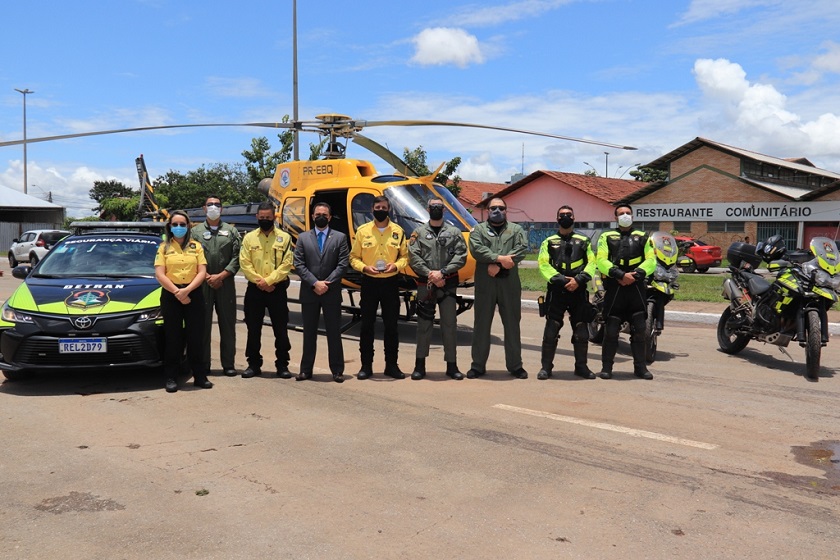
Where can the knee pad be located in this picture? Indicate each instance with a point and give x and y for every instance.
(612, 326)
(637, 322)
(581, 333)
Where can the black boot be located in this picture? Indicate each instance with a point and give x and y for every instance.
(609, 346)
(580, 343)
(419, 369)
(453, 371)
(365, 372)
(637, 346)
(393, 370)
(549, 348)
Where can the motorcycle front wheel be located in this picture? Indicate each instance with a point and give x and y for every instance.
(729, 340)
(813, 348)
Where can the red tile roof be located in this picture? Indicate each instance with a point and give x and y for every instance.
(608, 190)
(472, 191)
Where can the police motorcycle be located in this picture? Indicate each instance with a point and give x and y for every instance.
(662, 285)
(791, 307)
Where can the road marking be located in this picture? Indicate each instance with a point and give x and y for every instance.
(602, 426)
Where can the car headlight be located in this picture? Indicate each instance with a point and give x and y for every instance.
(150, 315)
(14, 316)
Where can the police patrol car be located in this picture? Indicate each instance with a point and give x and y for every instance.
(92, 302)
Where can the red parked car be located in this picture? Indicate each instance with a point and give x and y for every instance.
(695, 255)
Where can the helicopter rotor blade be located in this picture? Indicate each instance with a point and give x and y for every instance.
(385, 154)
(469, 125)
(143, 128)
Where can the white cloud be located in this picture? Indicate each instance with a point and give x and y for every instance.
(237, 87)
(756, 116)
(701, 10)
(446, 45)
(830, 61)
(513, 11)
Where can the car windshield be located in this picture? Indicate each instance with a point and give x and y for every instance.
(110, 256)
(409, 207)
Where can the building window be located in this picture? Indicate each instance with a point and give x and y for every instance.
(725, 227)
(682, 227)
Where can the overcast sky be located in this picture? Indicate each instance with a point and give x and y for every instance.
(763, 75)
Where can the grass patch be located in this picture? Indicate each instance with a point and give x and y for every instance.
(693, 287)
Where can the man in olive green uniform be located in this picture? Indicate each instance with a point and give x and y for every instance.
(567, 264)
(221, 243)
(624, 258)
(498, 247)
(436, 251)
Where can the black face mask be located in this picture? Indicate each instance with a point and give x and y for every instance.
(497, 217)
(435, 212)
(566, 222)
(380, 215)
(266, 225)
(321, 221)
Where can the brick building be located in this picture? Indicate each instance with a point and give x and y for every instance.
(722, 194)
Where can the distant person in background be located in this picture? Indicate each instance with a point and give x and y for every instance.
(180, 267)
(221, 243)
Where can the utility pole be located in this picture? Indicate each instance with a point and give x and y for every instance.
(24, 92)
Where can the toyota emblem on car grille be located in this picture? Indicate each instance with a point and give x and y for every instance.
(83, 322)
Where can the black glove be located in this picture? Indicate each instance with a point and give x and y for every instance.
(639, 274)
(558, 280)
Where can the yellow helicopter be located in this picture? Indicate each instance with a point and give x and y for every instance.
(348, 185)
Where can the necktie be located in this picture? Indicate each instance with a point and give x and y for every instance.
(320, 241)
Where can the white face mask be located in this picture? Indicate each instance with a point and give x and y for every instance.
(625, 220)
(213, 212)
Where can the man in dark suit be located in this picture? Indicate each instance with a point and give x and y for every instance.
(321, 258)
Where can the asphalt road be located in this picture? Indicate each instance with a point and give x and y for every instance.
(718, 457)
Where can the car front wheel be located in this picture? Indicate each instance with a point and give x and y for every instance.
(12, 261)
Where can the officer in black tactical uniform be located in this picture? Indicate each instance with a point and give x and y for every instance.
(625, 258)
(567, 263)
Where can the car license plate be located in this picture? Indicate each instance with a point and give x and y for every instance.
(82, 345)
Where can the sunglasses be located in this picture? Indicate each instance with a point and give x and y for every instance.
(565, 215)
(216, 204)
(502, 208)
(178, 223)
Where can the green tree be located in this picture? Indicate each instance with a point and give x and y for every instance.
(649, 174)
(593, 173)
(123, 209)
(104, 190)
(416, 160)
(177, 190)
(260, 161)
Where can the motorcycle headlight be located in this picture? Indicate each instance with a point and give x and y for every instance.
(150, 315)
(825, 280)
(14, 316)
(662, 274)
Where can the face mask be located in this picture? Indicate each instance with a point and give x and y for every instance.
(625, 220)
(497, 217)
(380, 215)
(321, 221)
(213, 213)
(266, 225)
(566, 222)
(436, 212)
(178, 231)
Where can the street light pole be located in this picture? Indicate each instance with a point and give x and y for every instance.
(606, 164)
(24, 92)
(628, 169)
(591, 167)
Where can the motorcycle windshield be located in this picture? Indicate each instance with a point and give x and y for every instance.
(665, 247)
(825, 251)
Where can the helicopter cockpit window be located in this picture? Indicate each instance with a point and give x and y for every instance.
(294, 215)
(409, 207)
(450, 199)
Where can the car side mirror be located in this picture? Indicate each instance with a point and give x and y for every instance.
(21, 271)
(15, 240)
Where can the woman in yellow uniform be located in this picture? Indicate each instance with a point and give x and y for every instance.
(180, 267)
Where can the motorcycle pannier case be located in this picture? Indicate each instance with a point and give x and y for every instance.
(739, 253)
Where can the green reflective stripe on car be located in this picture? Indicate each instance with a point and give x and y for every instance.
(22, 299)
(151, 300)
